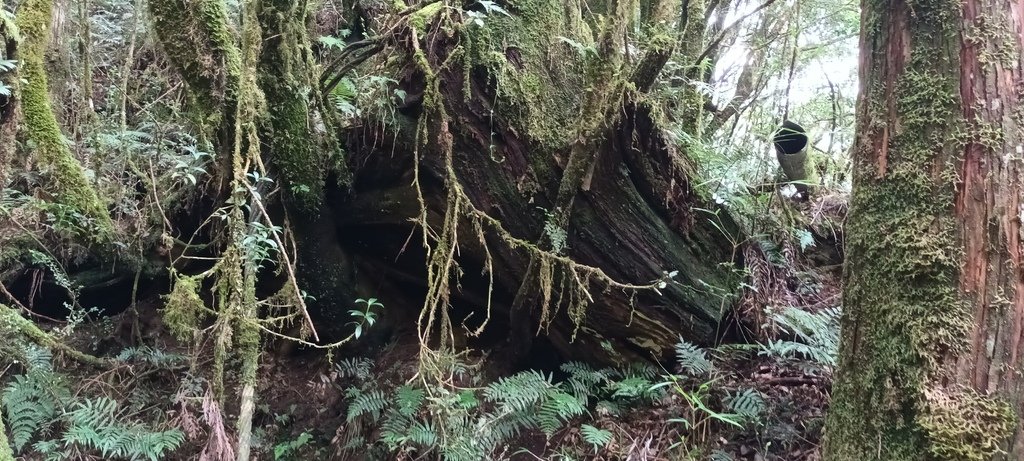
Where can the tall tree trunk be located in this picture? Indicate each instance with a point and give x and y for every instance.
(933, 330)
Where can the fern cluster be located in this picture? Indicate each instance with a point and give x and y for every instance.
(40, 405)
(97, 424)
(471, 424)
(816, 336)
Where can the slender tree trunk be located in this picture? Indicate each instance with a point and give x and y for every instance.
(933, 332)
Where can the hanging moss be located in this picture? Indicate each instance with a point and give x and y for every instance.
(184, 308)
(66, 175)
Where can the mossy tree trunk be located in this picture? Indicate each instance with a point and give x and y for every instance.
(933, 343)
(9, 38)
(66, 176)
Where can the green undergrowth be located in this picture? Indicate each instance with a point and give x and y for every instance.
(50, 418)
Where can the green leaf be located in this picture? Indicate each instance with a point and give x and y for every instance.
(599, 438)
(330, 41)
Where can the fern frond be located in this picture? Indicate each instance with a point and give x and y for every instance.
(423, 434)
(95, 424)
(558, 408)
(692, 360)
(632, 387)
(150, 356)
(748, 403)
(818, 333)
(583, 380)
(598, 438)
(519, 391)
(408, 400)
(354, 367)
(29, 406)
(372, 402)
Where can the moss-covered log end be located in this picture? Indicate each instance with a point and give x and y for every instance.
(536, 59)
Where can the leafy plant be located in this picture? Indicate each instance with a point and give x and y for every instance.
(98, 425)
(748, 404)
(31, 403)
(692, 360)
(191, 166)
(598, 438)
(285, 450)
(489, 7)
(697, 400)
(471, 424)
(40, 403)
(366, 317)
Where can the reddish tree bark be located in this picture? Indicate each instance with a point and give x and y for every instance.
(931, 358)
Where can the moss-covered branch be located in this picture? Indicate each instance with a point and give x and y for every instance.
(68, 182)
(13, 324)
(662, 43)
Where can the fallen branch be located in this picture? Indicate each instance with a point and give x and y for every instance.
(12, 322)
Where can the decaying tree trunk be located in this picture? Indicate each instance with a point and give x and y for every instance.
(538, 167)
(931, 356)
(517, 98)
